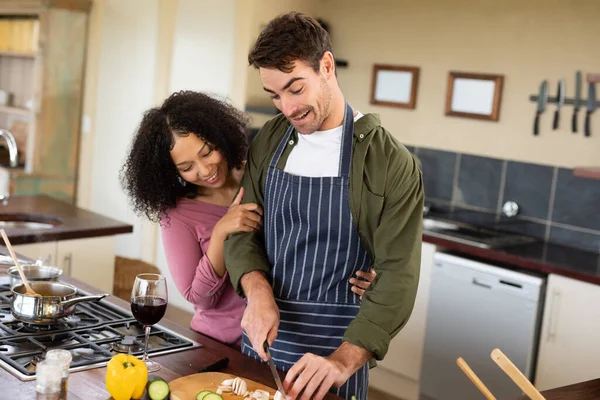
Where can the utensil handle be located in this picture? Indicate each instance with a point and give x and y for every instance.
(587, 125)
(555, 121)
(68, 303)
(517, 376)
(16, 260)
(574, 122)
(536, 124)
(474, 378)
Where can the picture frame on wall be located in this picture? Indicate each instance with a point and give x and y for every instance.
(474, 95)
(394, 85)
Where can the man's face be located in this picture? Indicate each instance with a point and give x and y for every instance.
(303, 95)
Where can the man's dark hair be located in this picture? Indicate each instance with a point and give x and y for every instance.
(149, 176)
(287, 38)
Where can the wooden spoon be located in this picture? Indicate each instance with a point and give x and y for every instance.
(516, 375)
(28, 289)
(474, 378)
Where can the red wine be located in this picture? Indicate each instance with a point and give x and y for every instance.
(148, 310)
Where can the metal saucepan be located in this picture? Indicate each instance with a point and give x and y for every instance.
(57, 300)
(34, 273)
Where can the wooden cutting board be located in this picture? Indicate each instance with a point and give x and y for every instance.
(187, 387)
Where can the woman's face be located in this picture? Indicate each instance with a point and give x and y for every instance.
(198, 162)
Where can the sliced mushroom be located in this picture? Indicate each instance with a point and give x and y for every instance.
(240, 387)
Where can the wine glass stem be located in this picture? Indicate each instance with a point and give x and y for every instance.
(147, 329)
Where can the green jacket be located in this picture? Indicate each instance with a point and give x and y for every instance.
(386, 201)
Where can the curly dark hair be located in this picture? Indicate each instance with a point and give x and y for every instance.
(149, 176)
(287, 38)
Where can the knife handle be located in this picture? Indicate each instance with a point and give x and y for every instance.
(574, 122)
(587, 125)
(536, 124)
(555, 122)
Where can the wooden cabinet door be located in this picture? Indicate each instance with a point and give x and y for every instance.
(569, 350)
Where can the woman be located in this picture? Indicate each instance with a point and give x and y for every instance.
(183, 170)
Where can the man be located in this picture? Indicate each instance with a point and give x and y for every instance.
(339, 195)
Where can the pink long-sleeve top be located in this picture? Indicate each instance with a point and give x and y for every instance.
(186, 233)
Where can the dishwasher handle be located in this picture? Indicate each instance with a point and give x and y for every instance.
(477, 282)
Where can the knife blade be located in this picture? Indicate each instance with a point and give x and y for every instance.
(591, 106)
(577, 101)
(273, 369)
(560, 100)
(541, 106)
(217, 365)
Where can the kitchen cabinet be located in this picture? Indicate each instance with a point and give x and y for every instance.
(90, 260)
(42, 63)
(399, 372)
(568, 348)
(44, 251)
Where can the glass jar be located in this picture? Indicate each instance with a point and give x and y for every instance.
(48, 379)
(63, 359)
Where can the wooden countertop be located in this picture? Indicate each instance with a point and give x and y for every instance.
(73, 222)
(90, 384)
(589, 390)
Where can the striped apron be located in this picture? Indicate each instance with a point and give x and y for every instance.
(314, 249)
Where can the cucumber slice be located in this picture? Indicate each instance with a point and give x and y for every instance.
(202, 394)
(212, 396)
(158, 389)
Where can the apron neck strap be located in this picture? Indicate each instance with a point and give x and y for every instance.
(346, 150)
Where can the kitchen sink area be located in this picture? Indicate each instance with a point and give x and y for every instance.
(28, 221)
(447, 225)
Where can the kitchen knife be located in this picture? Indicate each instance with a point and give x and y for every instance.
(541, 105)
(273, 369)
(560, 100)
(591, 105)
(217, 365)
(577, 101)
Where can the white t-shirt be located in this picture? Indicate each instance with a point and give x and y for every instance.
(317, 154)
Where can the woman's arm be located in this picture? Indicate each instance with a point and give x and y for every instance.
(194, 274)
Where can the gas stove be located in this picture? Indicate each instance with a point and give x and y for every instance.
(94, 333)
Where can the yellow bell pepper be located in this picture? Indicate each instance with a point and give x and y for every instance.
(126, 377)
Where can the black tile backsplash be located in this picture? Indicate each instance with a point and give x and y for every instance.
(478, 182)
(573, 238)
(438, 173)
(577, 201)
(523, 226)
(529, 185)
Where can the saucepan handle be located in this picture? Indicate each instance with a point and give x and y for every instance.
(69, 303)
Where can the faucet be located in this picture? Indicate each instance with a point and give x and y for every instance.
(12, 147)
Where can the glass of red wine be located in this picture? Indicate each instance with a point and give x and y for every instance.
(148, 305)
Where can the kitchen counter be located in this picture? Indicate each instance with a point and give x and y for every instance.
(540, 257)
(73, 222)
(90, 384)
(581, 391)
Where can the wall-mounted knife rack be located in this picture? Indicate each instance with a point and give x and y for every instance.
(583, 102)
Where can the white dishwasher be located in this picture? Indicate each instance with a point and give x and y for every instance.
(473, 309)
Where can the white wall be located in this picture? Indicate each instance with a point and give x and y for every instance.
(125, 72)
(203, 46)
